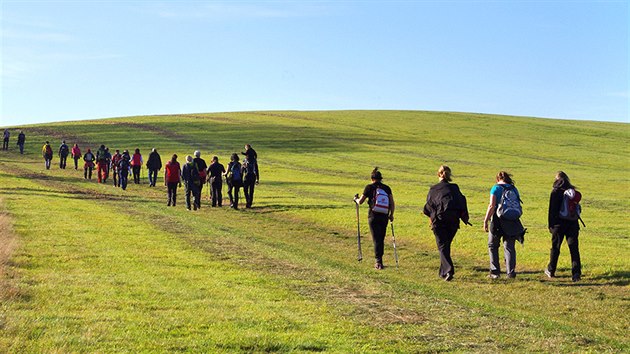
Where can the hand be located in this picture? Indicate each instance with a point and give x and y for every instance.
(257, 182)
(391, 218)
(485, 225)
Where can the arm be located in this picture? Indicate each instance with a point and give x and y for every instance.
(360, 200)
(392, 207)
(490, 211)
(555, 201)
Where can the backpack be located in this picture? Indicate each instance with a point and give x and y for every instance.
(381, 201)
(250, 170)
(452, 206)
(194, 174)
(101, 156)
(510, 204)
(64, 150)
(123, 164)
(202, 174)
(570, 208)
(235, 171)
(48, 150)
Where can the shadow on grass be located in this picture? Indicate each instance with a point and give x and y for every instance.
(72, 194)
(271, 208)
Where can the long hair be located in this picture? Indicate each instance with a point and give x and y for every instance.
(505, 177)
(562, 181)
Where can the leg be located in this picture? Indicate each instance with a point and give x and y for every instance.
(573, 232)
(444, 238)
(188, 193)
(236, 190)
(493, 251)
(85, 172)
(378, 228)
(510, 256)
(557, 236)
(230, 188)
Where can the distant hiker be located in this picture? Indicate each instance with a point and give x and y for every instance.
(76, 155)
(234, 180)
(64, 151)
(563, 216)
(101, 160)
(201, 166)
(154, 165)
(216, 171)
(381, 209)
(503, 216)
(250, 180)
(250, 153)
(445, 206)
(136, 165)
(114, 167)
(123, 169)
(20, 141)
(5, 142)
(172, 180)
(88, 166)
(108, 162)
(190, 175)
(47, 152)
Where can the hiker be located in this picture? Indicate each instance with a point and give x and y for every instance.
(215, 171)
(64, 151)
(445, 206)
(113, 166)
(108, 162)
(201, 166)
(5, 143)
(136, 165)
(250, 179)
(20, 141)
(564, 212)
(172, 180)
(47, 152)
(154, 165)
(381, 208)
(101, 160)
(502, 221)
(76, 155)
(234, 180)
(250, 153)
(89, 159)
(123, 169)
(190, 175)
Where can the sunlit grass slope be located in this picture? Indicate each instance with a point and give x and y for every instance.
(89, 267)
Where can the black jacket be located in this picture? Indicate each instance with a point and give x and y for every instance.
(446, 205)
(555, 203)
(154, 162)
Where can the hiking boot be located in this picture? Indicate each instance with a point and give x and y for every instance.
(549, 274)
(576, 278)
(511, 275)
(493, 276)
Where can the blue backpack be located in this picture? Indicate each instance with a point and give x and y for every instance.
(236, 172)
(510, 204)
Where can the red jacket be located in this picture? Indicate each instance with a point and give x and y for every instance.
(136, 160)
(173, 172)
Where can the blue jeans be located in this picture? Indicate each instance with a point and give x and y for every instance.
(153, 177)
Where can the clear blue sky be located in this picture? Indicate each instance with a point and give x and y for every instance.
(68, 60)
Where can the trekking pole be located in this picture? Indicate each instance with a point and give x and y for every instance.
(360, 255)
(394, 242)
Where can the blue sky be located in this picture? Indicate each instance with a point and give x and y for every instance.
(69, 60)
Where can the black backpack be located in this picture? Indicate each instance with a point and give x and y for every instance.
(64, 150)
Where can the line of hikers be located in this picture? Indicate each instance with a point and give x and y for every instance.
(195, 172)
(446, 206)
(20, 141)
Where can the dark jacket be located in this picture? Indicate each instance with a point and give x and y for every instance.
(555, 203)
(249, 171)
(250, 154)
(446, 205)
(21, 139)
(190, 175)
(154, 162)
(215, 171)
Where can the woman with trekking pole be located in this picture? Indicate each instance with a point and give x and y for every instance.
(381, 210)
(445, 206)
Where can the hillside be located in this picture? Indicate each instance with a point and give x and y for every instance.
(89, 267)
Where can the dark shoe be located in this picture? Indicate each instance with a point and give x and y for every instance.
(448, 277)
(493, 276)
(194, 207)
(378, 265)
(549, 274)
(576, 278)
(511, 275)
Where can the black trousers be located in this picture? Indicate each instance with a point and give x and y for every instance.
(444, 235)
(136, 174)
(378, 229)
(217, 195)
(570, 230)
(234, 187)
(76, 162)
(192, 190)
(172, 193)
(87, 172)
(62, 161)
(248, 189)
(5, 144)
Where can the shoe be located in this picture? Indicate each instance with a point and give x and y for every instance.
(378, 265)
(448, 277)
(511, 275)
(576, 278)
(549, 274)
(494, 276)
(194, 207)
(168, 204)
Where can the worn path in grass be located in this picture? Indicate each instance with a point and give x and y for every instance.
(124, 272)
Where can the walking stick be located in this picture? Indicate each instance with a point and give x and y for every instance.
(360, 255)
(394, 242)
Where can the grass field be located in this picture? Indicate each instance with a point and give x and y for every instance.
(89, 267)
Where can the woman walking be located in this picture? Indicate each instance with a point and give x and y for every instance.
(76, 155)
(234, 180)
(172, 179)
(136, 165)
(504, 206)
(445, 206)
(563, 222)
(88, 158)
(381, 209)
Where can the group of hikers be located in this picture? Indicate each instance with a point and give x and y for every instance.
(194, 173)
(446, 206)
(20, 140)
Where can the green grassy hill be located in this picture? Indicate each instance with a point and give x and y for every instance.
(89, 267)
